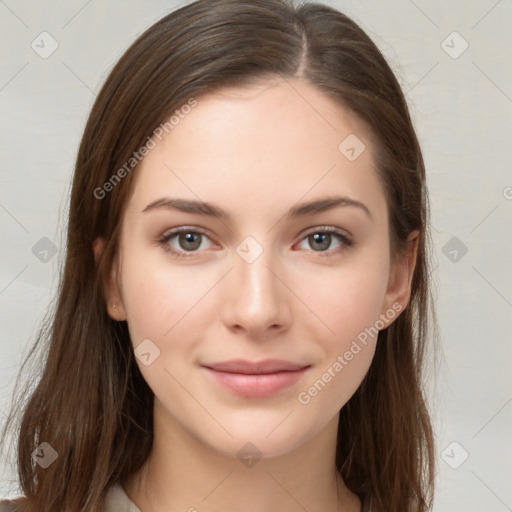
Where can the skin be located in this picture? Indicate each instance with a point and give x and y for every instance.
(256, 152)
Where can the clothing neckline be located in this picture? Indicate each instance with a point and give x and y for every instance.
(118, 501)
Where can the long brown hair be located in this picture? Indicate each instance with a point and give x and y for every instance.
(91, 403)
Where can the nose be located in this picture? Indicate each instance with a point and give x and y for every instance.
(255, 299)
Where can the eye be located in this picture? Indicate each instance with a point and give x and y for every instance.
(184, 240)
(321, 239)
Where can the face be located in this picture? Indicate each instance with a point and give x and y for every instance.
(254, 318)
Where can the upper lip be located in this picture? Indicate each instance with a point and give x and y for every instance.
(255, 367)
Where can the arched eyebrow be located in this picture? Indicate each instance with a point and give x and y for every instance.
(300, 210)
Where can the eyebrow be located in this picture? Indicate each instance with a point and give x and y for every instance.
(300, 210)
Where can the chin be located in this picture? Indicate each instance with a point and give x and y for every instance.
(266, 440)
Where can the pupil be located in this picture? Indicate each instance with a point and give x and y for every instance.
(323, 238)
(190, 241)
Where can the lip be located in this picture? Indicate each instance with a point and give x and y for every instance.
(257, 367)
(256, 379)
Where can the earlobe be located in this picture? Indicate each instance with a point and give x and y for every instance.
(400, 282)
(116, 311)
(111, 289)
(116, 307)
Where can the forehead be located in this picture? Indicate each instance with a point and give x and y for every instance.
(260, 146)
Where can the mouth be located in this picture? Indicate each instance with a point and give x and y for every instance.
(256, 379)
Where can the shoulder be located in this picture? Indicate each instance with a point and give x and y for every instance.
(116, 501)
(9, 505)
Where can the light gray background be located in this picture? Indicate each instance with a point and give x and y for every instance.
(462, 108)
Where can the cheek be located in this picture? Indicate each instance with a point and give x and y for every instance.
(349, 302)
(145, 301)
(160, 303)
(348, 299)
(157, 297)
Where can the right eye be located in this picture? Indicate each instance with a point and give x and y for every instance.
(183, 240)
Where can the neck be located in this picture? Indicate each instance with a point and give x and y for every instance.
(182, 473)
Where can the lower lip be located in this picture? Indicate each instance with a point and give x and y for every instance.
(257, 386)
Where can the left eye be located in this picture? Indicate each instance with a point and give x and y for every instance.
(321, 240)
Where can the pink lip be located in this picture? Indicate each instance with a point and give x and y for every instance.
(256, 379)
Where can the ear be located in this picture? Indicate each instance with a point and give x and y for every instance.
(400, 279)
(111, 288)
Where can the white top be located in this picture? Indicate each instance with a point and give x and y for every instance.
(116, 501)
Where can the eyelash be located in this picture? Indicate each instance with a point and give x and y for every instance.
(346, 241)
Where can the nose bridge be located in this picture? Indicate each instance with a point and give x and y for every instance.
(257, 298)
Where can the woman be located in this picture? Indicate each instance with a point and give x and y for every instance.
(245, 303)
